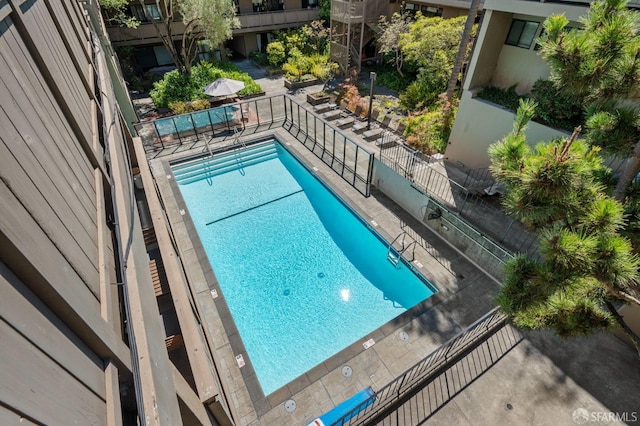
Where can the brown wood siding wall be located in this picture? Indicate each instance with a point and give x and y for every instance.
(47, 46)
(57, 272)
(41, 160)
(44, 363)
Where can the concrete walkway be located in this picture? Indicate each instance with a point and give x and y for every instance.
(533, 378)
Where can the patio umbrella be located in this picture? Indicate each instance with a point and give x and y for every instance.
(223, 87)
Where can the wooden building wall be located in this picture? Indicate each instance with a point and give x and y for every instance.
(62, 349)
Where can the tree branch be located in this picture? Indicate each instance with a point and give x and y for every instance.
(633, 336)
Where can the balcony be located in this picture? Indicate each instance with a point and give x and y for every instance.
(250, 22)
(354, 11)
(144, 34)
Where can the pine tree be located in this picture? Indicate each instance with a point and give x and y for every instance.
(600, 64)
(586, 265)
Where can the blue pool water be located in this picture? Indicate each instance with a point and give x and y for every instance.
(302, 275)
(195, 120)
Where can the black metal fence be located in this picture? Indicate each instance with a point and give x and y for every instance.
(216, 125)
(352, 162)
(181, 129)
(487, 217)
(387, 398)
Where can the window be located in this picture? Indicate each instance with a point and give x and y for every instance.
(150, 11)
(522, 33)
(430, 11)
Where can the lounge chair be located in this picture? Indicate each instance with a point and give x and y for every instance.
(331, 115)
(359, 126)
(345, 121)
(320, 108)
(370, 134)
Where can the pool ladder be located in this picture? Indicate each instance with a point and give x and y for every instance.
(394, 255)
(239, 141)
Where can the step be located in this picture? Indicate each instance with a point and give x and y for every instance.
(223, 162)
(236, 165)
(393, 257)
(215, 164)
(225, 157)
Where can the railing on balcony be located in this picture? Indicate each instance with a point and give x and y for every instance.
(371, 10)
(274, 18)
(632, 3)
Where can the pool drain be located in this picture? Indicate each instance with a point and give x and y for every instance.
(290, 406)
(286, 292)
(320, 274)
(347, 371)
(403, 336)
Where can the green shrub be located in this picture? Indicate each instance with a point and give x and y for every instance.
(259, 58)
(389, 77)
(428, 131)
(276, 53)
(191, 106)
(556, 109)
(176, 86)
(508, 98)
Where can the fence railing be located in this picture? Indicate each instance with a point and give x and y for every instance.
(180, 129)
(349, 160)
(352, 162)
(490, 219)
(384, 400)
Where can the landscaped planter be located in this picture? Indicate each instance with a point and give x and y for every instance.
(292, 85)
(253, 95)
(318, 98)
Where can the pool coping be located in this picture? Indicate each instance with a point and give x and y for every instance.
(230, 345)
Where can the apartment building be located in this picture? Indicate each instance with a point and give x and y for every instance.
(258, 19)
(91, 332)
(505, 54)
(354, 25)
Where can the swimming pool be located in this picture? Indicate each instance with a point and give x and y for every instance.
(303, 276)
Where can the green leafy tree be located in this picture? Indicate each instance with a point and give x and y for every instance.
(316, 38)
(389, 39)
(586, 265)
(323, 68)
(117, 11)
(432, 43)
(600, 64)
(208, 20)
(325, 12)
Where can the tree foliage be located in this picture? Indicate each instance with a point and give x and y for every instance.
(117, 11)
(303, 51)
(429, 131)
(177, 86)
(600, 65)
(431, 43)
(586, 264)
(211, 21)
(389, 38)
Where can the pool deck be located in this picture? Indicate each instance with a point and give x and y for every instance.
(465, 293)
(540, 381)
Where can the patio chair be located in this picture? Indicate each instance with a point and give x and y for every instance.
(331, 115)
(370, 134)
(345, 121)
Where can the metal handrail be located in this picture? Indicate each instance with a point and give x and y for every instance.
(419, 375)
